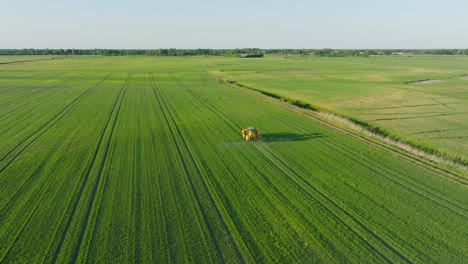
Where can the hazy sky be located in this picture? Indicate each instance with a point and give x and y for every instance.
(234, 24)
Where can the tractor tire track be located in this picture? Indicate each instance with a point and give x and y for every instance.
(448, 174)
(71, 104)
(219, 113)
(45, 127)
(443, 104)
(226, 118)
(321, 122)
(327, 199)
(29, 217)
(236, 126)
(425, 164)
(269, 160)
(204, 79)
(187, 172)
(102, 164)
(413, 117)
(96, 185)
(139, 222)
(400, 179)
(199, 173)
(261, 149)
(114, 113)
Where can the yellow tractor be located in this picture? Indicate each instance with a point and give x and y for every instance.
(250, 133)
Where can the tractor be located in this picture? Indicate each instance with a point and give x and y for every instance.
(250, 133)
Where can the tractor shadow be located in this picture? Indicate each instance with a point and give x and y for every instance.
(286, 136)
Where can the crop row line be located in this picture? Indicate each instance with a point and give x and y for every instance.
(327, 199)
(112, 116)
(234, 125)
(28, 219)
(116, 112)
(334, 204)
(21, 107)
(46, 126)
(37, 100)
(19, 97)
(205, 79)
(257, 146)
(380, 145)
(401, 180)
(421, 160)
(225, 118)
(423, 163)
(172, 132)
(29, 92)
(200, 175)
(24, 92)
(24, 182)
(434, 196)
(138, 186)
(230, 122)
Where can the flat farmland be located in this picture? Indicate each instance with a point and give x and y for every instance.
(140, 159)
(419, 99)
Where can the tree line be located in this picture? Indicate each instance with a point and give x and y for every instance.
(246, 52)
(135, 52)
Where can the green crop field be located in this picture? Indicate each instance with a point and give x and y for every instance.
(140, 160)
(381, 91)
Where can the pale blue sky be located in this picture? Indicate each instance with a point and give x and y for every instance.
(235, 24)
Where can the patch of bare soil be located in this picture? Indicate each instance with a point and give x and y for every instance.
(426, 82)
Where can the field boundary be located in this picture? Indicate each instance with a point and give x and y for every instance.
(23, 61)
(429, 158)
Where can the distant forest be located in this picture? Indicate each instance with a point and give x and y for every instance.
(246, 53)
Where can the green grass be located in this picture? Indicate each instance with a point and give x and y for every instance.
(376, 91)
(141, 160)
